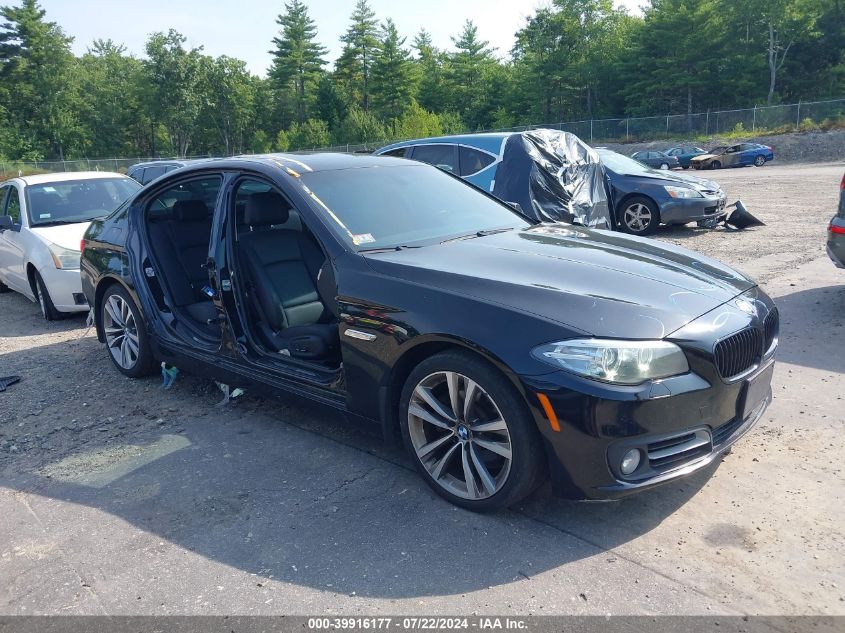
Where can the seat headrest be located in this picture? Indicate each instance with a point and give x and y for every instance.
(190, 211)
(266, 209)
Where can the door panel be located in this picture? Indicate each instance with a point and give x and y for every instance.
(12, 270)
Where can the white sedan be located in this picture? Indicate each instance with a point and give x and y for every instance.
(42, 221)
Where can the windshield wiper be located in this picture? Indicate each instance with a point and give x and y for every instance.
(388, 249)
(482, 233)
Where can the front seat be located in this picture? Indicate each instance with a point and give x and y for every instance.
(283, 266)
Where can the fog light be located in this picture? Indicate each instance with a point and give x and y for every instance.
(630, 461)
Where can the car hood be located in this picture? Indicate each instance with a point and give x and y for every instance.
(655, 176)
(701, 157)
(599, 282)
(65, 235)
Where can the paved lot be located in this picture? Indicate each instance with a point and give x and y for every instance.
(119, 498)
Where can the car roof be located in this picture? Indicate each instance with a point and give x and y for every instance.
(488, 141)
(167, 161)
(315, 162)
(41, 179)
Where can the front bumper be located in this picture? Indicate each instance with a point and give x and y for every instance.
(682, 211)
(65, 288)
(679, 424)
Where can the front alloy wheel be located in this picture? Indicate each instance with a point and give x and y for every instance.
(459, 435)
(124, 334)
(469, 432)
(640, 216)
(760, 161)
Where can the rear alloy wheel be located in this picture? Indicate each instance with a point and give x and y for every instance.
(715, 165)
(48, 310)
(664, 166)
(469, 433)
(640, 216)
(124, 333)
(760, 161)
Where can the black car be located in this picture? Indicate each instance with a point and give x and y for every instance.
(147, 172)
(644, 198)
(658, 160)
(502, 350)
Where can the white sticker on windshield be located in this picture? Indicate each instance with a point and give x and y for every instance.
(363, 238)
(49, 189)
(45, 216)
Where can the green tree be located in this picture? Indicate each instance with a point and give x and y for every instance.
(332, 104)
(470, 65)
(311, 134)
(393, 79)
(431, 69)
(416, 122)
(359, 126)
(360, 46)
(177, 87)
(229, 102)
(40, 82)
(297, 58)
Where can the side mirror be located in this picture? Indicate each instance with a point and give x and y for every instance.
(7, 224)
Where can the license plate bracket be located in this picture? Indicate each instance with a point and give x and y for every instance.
(755, 390)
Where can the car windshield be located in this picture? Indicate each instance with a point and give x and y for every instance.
(71, 201)
(620, 164)
(407, 205)
(719, 150)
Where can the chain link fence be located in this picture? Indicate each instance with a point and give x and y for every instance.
(764, 119)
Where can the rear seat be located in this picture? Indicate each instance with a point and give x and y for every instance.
(181, 247)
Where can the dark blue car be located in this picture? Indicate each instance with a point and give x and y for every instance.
(685, 153)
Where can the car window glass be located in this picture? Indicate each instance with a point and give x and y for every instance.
(4, 191)
(246, 189)
(473, 161)
(137, 174)
(204, 189)
(70, 201)
(399, 153)
(442, 156)
(151, 173)
(404, 205)
(13, 205)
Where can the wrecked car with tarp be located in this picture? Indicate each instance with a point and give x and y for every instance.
(555, 177)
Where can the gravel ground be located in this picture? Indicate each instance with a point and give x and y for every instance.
(119, 498)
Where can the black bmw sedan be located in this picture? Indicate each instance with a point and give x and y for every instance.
(501, 350)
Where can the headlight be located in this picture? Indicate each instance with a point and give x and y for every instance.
(682, 192)
(64, 258)
(620, 362)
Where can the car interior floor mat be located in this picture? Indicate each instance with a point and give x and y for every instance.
(8, 381)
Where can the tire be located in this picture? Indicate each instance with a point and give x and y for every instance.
(4, 288)
(715, 165)
(684, 166)
(127, 343)
(759, 161)
(504, 461)
(664, 166)
(639, 216)
(42, 296)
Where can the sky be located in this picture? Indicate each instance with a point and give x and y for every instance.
(244, 29)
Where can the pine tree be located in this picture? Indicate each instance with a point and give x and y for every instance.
(432, 92)
(471, 59)
(297, 58)
(355, 65)
(393, 81)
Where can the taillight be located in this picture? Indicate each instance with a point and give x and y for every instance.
(81, 245)
(842, 184)
(840, 230)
